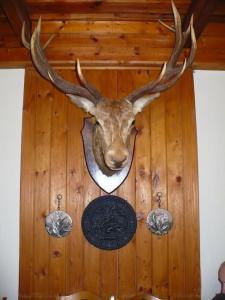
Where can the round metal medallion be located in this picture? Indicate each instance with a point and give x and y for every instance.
(159, 221)
(109, 222)
(58, 223)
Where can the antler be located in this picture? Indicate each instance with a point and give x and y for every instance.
(44, 68)
(171, 72)
(85, 83)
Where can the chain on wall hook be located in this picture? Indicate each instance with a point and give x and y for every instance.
(159, 198)
(59, 198)
(159, 220)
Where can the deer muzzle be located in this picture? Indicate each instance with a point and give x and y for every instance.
(116, 157)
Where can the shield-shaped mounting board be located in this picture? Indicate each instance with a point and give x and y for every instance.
(106, 183)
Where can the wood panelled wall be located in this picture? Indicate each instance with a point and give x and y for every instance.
(53, 163)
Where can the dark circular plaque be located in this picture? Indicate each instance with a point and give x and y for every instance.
(109, 222)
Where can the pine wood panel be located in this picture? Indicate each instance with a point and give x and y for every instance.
(71, 26)
(27, 187)
(108, 259)
(91, 265)
(41, 279)
(75, 204)
(143, 193)
(112, 43)
(127, 255)
(190, 190)
(176, 267)
(57, 266)
(111, 33)
(101, 7)
(105, 57)
(53, 163)
(159, 185)
(115, 9)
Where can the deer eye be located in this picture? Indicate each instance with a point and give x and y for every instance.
(97, 123)
(133, 122)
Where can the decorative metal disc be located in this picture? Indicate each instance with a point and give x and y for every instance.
(58, 223)
(109, 222)
(159, 221)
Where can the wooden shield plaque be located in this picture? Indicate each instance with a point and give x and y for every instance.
(106, 183)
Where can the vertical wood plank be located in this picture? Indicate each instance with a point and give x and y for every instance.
(42, 188)
(91, 254)
(175, 193)
(27, 187)
(143, 192)
(58, 187)
(127, 254)
(75, 198)
(190, 191)
(159, 184)
(91, 272)
(108, 259)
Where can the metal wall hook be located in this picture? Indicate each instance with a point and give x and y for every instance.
(59, 198)
(159, 198)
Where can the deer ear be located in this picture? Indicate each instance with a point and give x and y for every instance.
(83, 103)
(140, 103)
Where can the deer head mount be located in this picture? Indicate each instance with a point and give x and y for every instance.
(115, 119)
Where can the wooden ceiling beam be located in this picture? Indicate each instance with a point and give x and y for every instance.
(16, 12)
(103, 10)
(19, 57)
(202, 10)
(102, 7)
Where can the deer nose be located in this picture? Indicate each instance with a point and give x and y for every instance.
(120, 160)
(115, 159)
(119, 163)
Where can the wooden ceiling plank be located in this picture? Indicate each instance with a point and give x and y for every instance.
(65, 41)
(9, 41)
(103, 27)
(16, 13)
(5, 28)
(92, 57)
(202, 10)
(215, 29)
(109, 1)
(119, 16)
(103, 7)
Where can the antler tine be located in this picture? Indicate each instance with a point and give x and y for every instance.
(167, 26)
(27, 44)
(178, 37)
(193, 44)
(142, 90)
(86, 84)
(36, 52)
(167, 84)
(47, 71)
(23, 37)
(49, 40)
(172, 71)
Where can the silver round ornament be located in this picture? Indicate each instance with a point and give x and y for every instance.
(58, 223)
(159, 221)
